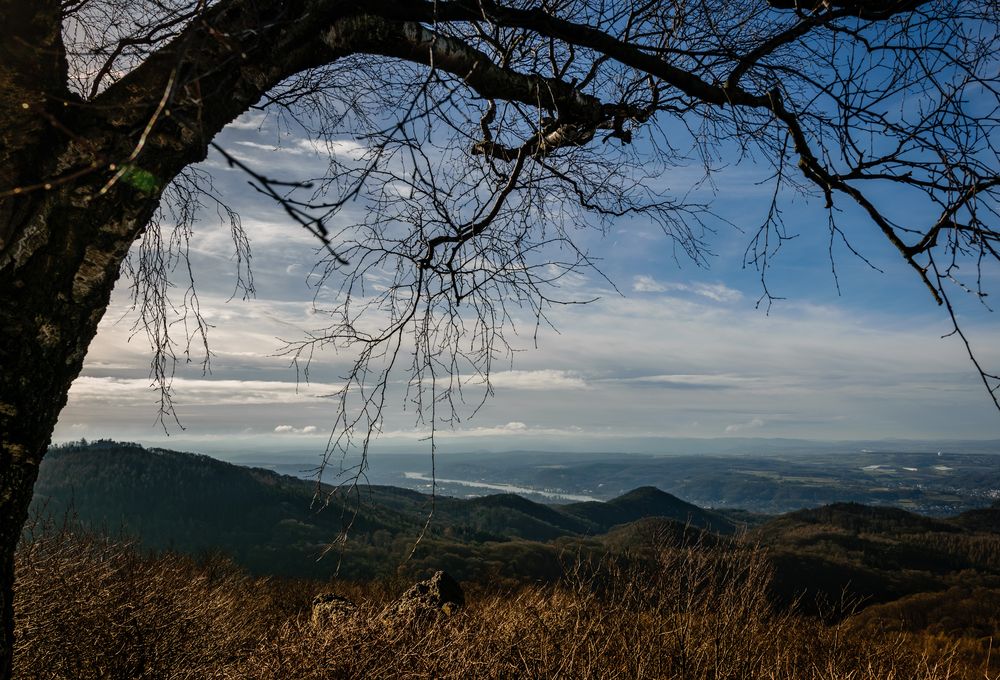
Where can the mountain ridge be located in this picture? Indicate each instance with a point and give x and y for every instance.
(271, 523)
(195, 503)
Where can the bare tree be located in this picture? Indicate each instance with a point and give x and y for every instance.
(488, 132)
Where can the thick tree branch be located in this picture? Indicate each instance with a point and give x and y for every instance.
(412, 42)
(621, 51)
(872, 10)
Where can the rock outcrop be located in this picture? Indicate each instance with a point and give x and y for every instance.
(330, 609)
(438, 596)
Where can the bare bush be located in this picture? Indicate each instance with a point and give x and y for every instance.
(702, 614)
(93, 607)
(89, 606)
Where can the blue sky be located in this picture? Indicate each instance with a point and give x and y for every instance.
(677, 351)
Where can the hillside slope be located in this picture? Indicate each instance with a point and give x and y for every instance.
(270, 523)
(194, 503)
(880, 554)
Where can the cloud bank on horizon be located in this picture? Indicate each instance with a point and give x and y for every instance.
(675, 350)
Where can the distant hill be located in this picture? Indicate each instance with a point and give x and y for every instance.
(879, 553)
(767, 477)
(194, 503)
(981, 519)
(858, 518)
(272, 523)
(647, 501)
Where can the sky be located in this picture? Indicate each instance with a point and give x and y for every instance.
(673, 350)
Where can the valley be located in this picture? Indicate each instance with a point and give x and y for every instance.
(766, 478)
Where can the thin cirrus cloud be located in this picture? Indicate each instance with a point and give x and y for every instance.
(113, 390)
(343, 148)
(644, 283)
(717, 292)
(752, 424)
(542, 379)
(705, 381)
(514, 428)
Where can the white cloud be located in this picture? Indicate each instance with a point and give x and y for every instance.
(752, 424)
(291, 429)
(647, 284)
(190, 391)
(717, 292)
(346, 149)
(544, 379)
(249, 121)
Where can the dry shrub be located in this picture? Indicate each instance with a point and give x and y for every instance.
(89, 607)
(703, 614)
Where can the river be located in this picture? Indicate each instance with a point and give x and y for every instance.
(506, 488)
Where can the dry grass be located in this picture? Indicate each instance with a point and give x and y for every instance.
(703, 615)
(93, 608)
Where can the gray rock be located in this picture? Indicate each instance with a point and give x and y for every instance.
(438, 596)
(330, 609)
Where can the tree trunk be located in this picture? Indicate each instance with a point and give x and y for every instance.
(78, 184)
(57, 269)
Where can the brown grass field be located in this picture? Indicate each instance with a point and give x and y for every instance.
(93, 607)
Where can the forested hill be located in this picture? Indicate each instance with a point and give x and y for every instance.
(880, 554)
(270, 524)
(273, 523)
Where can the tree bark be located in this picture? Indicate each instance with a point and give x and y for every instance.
(38, 357)
(55, 288)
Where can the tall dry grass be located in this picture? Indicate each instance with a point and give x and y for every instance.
(703, 614)
(89, 607)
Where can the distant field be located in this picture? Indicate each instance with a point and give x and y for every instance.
(931, 483)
